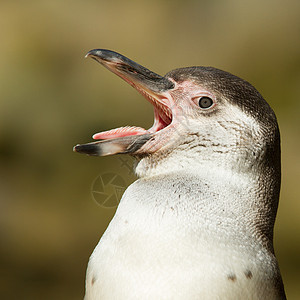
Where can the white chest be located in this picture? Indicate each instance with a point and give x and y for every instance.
(163, 246)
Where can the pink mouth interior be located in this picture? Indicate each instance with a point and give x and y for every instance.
(120, 132)
(162, 119)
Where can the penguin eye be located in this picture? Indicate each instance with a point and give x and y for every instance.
(205, 102)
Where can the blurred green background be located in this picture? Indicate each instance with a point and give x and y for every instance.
(51, 99)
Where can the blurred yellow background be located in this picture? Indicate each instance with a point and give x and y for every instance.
(51, 99)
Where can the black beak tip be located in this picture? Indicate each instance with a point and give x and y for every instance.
(89, 149)
(100, 53)
(94, 52)
(75, 148)
(104, 55)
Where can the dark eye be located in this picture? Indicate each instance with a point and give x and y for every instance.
(205, 102)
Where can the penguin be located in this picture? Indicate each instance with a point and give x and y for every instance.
(198, 222)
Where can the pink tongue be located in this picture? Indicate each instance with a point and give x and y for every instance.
(119, 132)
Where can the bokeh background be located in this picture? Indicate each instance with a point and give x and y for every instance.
(51, 98)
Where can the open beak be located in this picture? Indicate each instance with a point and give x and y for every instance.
(153, 87)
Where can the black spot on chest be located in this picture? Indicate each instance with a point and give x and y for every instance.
(248, 274)
(231, 277)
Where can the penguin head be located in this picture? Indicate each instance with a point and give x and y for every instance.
(208, 114)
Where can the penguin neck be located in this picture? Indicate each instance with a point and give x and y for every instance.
(210, 164)
(240, 187)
